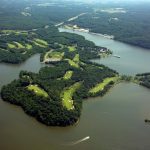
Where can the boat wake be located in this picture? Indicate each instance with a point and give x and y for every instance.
(79, 141)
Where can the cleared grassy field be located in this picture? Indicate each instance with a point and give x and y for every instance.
(19, 45)
(16, 45)
(42, 42)
(67, 94)
(17, 32)
(76, 58)
(11, 45)
(68, 75)
(58, 55)
(28, 46)
(37, 90)
(53, 55)
(72, 48)
(40, 45)
(72, 63)
(100, 86)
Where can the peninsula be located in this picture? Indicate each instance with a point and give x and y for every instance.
(54, 96)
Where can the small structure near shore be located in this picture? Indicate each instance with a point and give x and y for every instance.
(117, 56)
(147, 120)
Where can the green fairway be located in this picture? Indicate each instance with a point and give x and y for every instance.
(72, 48)
(37, 90)
(16, 45)
(68, 75)
(11, 45)
(28, 46)
(52, 55)
(67, 94)
(76, 58)
(58, 55)
(40, 43)
(17, 32)
(100, 86)
(72, 63)
(19, 45)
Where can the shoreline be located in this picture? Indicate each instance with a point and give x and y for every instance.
(86, 31)
(111, 37)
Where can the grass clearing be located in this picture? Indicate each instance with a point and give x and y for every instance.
(67, 94)
(17, 32)
(68, 75)
(16, 45)
(40, 45)
(72, 63)
(28, 46)
(42, 42)
(19, 45)
(72, 48)
(76, 58)
(37, 90)
(11, 45)
(100, 86)
(53, 56)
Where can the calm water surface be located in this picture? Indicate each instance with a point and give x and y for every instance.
(114, 122)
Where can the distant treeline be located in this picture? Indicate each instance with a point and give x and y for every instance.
(132, 27)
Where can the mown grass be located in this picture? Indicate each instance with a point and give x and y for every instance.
(53, 55)
(58, 55)
(40, 45)
(72, 48)
(76, 58)
(100, 86)
(11, 45)
(37, 90)
(72, 63)
(41, 42)
(28, 46)
(19, 45)
(67, 94)
(17, 32)
(68, 75)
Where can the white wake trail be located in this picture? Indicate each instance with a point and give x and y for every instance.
(80, 141)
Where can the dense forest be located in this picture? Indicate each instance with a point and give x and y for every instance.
(129, 23)
(27, 15)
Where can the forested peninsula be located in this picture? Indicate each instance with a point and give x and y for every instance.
(54, 96)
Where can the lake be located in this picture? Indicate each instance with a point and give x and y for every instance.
(114, 122)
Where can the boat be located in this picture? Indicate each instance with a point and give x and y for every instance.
(117, 56)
